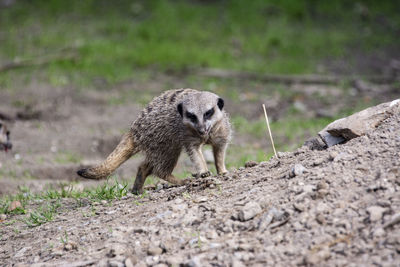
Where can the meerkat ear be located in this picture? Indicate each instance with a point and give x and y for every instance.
(180, 109)
(220, 103)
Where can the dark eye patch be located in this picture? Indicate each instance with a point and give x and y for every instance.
(208, 114)
(191, 117)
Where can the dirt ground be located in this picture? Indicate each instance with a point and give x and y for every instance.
(342, 210)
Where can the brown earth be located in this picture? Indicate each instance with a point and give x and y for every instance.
(338, 207)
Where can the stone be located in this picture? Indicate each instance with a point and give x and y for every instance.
(315, 143)
(357, 124)
(394, 220)
(130, 262)
(154, 250)
(249, 211)
(315, 258)
(250, 164)
(379, 232)
(175, 260)
(297, 170)
(115, 263)
(237, 263)
(375, 213)
(3, 217)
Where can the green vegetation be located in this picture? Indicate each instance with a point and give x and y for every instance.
(52, 200)
(113, 40)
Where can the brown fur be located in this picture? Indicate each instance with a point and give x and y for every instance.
(161, 132)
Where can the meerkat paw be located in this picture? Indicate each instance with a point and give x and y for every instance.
(223, 173)
(186, 181)
(137, 191)
(202, 175)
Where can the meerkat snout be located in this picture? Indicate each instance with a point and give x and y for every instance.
(201, 117)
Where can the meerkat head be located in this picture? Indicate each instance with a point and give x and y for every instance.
(201, 111)
(5, 142)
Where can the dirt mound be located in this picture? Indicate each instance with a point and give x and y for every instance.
(336, 207)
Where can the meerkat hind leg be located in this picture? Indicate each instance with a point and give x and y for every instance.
(173, 180)
(144, 170)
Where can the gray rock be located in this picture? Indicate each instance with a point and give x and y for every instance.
(315, 143)
(130, 262)
(297, 170)
(250, 164)
(174, 260)
(357, 124)
(375, 213)
(249, 211)
(394, 220)
(114, 263)
(154, 250)
(315, 258)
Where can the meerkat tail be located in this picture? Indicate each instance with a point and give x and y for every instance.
(124, 150)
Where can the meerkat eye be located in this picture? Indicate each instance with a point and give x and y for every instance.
(208, 114)
(1, 125)
(191, 117)
(8, 133)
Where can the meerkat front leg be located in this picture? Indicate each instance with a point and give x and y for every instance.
(196, 156)
(219, 157)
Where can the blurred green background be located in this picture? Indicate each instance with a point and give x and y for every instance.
(115, 38)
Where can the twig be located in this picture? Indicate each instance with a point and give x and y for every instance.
(269, 129)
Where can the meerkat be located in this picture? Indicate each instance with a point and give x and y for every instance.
(176, 120)
(5, 143)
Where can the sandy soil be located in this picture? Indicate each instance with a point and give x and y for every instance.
(343, 209)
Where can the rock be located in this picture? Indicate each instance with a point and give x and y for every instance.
(130, 262)
(329, 139)
(3, 217)
(237, 263)
(154, 250)
(315, 258)
(357, 124)
(250, 164)
(298, 206)
(375, 213)
(115, 263)
(194, 262)
(22, 252)
(14, 205)
(379, 232)
(315, 143)
(333, 155)
(104, 202)
(297, 170)
(174, 260)
(249, 211)
(211, 234)
(394, 220)
(71, 246)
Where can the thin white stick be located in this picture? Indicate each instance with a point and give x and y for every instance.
(269, 130)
